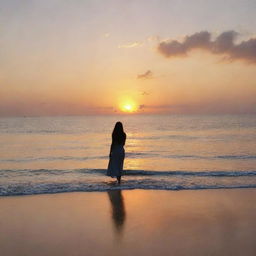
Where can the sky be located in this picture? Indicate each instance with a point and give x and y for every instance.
(74, 57)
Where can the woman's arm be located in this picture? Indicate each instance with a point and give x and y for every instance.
(124, 139)
(111, 147)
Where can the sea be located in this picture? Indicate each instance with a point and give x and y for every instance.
(41, 155)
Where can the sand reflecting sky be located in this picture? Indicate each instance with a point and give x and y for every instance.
(130, 222)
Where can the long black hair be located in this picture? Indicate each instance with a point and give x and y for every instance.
(118, 134)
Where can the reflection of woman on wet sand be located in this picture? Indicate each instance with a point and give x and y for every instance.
(118, 210)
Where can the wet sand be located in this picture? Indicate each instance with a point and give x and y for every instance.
(138, 222)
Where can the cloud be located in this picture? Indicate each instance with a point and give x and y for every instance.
(147, 75)
(144, 93)
(224, 44)
(168, 106)
(219, 106)
(131, 45)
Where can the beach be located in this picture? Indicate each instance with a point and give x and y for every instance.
(189, 186)
(130, 222)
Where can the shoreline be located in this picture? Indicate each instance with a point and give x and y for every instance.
(252, 187)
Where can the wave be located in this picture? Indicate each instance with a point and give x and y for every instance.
(224, 157)
(206, 173)
(193, 173)
(45, 181)
(53, 158)
(237, 157)
(130, 155)
(51, 188)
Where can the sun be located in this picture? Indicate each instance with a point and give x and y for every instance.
(128, 107)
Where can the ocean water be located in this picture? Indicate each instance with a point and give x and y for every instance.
(170, 152)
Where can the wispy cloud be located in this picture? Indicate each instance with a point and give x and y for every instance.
(147, 75)
(144, 93)
(131, 45)
(224, 44)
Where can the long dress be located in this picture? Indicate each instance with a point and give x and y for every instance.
(116, 161)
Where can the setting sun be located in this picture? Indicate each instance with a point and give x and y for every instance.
(128, 107)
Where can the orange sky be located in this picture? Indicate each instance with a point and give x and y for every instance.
(94, 58)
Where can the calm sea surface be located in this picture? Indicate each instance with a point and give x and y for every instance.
(61, 154)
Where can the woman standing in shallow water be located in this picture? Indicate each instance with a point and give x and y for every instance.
(116, 155)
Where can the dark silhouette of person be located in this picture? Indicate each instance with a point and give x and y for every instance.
(118, 209)
(117, 153)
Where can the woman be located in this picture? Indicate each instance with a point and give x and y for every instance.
(116, 155)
